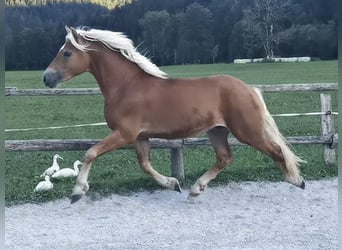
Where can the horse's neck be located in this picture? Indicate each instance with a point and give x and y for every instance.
(112, 71)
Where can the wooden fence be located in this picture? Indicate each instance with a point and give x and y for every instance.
(327, 137)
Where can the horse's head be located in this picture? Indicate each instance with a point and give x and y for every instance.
(71, 60)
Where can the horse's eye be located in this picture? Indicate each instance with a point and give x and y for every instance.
(67, 53)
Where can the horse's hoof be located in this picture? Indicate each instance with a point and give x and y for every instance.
(191, 195)
(192, 198)
(178, 188)
(302, 186)
(75, 197)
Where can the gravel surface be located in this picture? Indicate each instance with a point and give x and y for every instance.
(246, 215)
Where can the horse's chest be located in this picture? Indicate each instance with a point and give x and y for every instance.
(118, 113)
(110, 116)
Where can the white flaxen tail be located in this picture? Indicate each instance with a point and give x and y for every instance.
(291, 160)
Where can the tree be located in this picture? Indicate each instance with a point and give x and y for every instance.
(263, 21)
(154, 25)
(196, 34)
(315, 40)
(214, 52)
(226, 13)
(172, 36)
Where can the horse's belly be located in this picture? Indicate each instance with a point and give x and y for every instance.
(178, 134)
(184, 128)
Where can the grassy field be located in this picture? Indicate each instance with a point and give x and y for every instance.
(119, 171)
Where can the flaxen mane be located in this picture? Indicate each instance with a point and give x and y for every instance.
(115, 41)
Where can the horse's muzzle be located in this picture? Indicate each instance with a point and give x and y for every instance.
(51, 77)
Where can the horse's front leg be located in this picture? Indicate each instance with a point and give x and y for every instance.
(111, 142)
(143, 152)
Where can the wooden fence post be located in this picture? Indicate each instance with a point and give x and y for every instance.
(177, 165)
(327, 129)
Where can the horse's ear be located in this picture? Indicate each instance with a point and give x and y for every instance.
(67, 28)
(74, 33)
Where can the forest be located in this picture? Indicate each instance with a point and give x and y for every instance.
(178, 31)
(110, 4)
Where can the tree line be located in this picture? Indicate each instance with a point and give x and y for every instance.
(180, 31)
(110, 4)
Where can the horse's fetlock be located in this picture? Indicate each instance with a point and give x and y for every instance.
(85, 187)
(90, 156)
(78, 190)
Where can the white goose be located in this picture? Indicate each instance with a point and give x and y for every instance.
(54, 167)
(44, 185)
(68, 172)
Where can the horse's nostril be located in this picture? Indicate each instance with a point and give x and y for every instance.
(51, 77)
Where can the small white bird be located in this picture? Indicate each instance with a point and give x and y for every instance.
(44, 185)
(54, 167)
(68, 172)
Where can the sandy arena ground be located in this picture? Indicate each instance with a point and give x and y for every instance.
(246, 215)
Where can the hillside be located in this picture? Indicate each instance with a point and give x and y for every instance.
(110, 4)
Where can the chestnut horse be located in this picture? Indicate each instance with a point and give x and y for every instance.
(141, 102)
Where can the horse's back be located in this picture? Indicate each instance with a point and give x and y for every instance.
(223, 92)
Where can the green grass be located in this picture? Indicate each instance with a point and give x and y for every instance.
(254, 73)
(119, 171)
(264, 73)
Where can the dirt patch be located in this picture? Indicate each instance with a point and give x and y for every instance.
(245, 215)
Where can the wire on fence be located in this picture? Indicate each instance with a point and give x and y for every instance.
(104, 123)
(56, 127)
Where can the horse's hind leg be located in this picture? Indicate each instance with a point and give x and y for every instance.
(143, 152)
(218, 139)
(287, 166)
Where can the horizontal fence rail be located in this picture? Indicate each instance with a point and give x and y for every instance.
(84, 144)
(96, 91)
